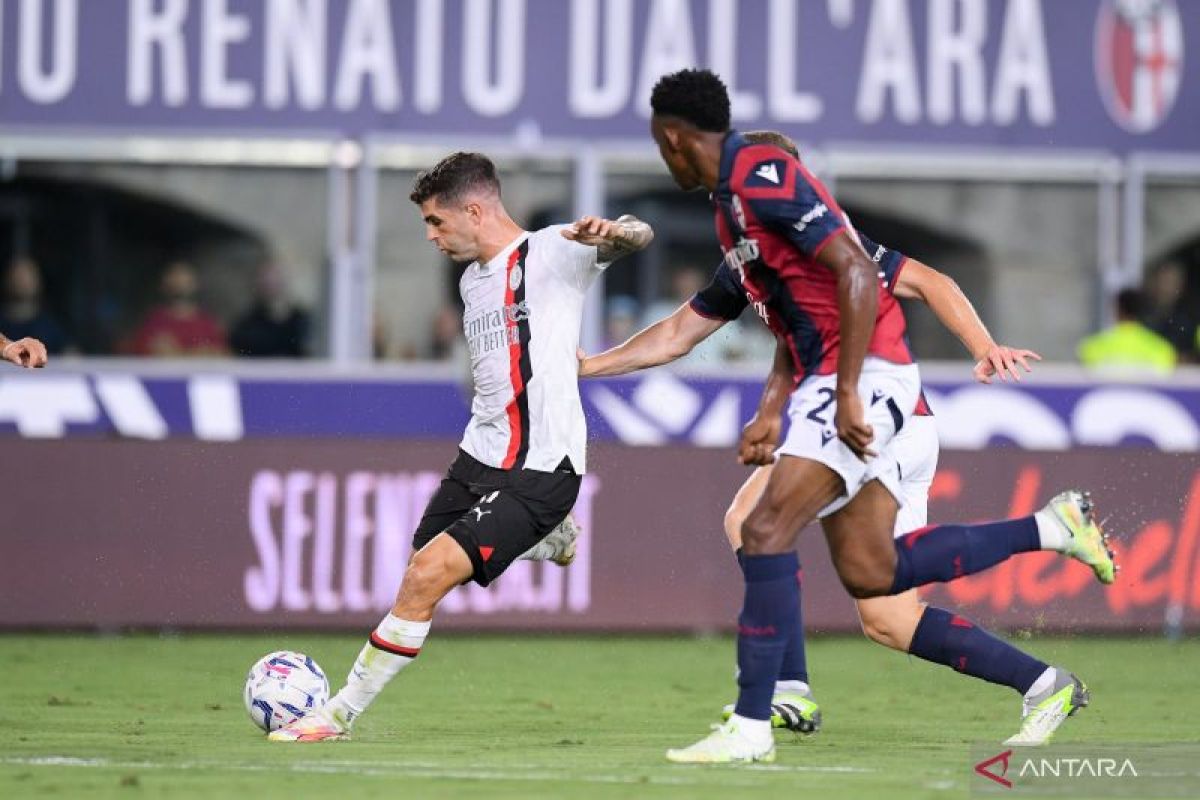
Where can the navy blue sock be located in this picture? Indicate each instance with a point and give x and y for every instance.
(795, 661)
(946, 552)
(767, 621)
(945, 638)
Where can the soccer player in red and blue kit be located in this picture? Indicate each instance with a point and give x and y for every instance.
(795, 256)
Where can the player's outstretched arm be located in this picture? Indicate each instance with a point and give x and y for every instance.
(858, 303)
(953, 309)
(27, 352)
(760, 436)
(661, 343)
(611, 238)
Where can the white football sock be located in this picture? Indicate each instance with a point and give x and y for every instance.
(1052, 534)
(792, 687)
(1042, 684)
(757, 731)
(392, 647)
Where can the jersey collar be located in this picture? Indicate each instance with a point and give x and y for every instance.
(730, 145)
(485, 268)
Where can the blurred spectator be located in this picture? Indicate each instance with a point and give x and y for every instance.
(22, 315)
(179, 326)
(447, 343)
(274, 327)
(685, 282)
(1128, 345)
(621, 319)
(1169, 314)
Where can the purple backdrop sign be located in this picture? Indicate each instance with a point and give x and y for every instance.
(658, 408)
(263, 534)
(1085, 73)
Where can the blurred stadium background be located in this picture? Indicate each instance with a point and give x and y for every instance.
(257, 369)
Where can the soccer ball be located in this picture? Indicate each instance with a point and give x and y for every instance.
(282, 687)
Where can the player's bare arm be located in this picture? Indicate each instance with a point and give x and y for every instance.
(760, 436)
(611, 238)
(919, 281)
(28, 352)
(665, 341)
(858, 302)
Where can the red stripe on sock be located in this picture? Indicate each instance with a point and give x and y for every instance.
(394, 649)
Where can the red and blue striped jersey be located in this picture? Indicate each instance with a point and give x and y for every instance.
(724, 299)
(773, 219)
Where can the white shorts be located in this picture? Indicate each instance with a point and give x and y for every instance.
(889, 394)
(916, 451)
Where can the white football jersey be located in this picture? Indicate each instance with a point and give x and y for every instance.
(524, 309)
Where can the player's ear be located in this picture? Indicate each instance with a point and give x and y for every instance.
(474, 212)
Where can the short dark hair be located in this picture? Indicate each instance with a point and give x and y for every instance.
(782, 141)
(454, 176)
(697, 96)
(1130, 303)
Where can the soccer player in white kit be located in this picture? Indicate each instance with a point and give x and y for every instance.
(522, 456)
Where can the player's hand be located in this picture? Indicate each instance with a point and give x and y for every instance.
(852, 427)
(27, 352)
(760, 437)
(1001, 360)
(582, 358)
(592, 231)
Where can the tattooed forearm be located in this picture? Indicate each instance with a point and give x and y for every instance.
(631, 235)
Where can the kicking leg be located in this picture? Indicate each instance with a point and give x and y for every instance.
(432, 572)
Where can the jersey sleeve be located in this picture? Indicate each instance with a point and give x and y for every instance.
(723, 298)
(784, 197)
(890, 262)
(577, 263)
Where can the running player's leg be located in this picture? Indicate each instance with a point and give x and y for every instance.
(792, 705)
(796, 491)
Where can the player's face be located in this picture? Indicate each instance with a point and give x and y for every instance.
(668, 141)
(452, 229)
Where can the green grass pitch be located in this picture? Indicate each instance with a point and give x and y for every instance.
(521, 717)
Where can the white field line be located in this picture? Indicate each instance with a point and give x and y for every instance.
(426, 770)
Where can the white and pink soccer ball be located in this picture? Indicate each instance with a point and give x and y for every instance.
(282, 687)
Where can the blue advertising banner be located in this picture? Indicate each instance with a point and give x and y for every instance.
(1065, 73)
(656, 409)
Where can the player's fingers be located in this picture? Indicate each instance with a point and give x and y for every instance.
(1010, 364)
(981, 372)
(997, 363)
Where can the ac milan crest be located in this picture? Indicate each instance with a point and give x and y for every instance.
(1139, 61)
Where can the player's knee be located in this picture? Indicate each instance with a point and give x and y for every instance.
(879, 629)
(426, 572)
(761, 534)
(865, 581)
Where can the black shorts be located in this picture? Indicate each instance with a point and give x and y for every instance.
(496, 515)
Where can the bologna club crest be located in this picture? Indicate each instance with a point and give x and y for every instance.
(1139, 61)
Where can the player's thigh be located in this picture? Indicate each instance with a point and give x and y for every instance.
(859, 535)
(891, 621)
(505, 523)
(743, 501)
(797, 489)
